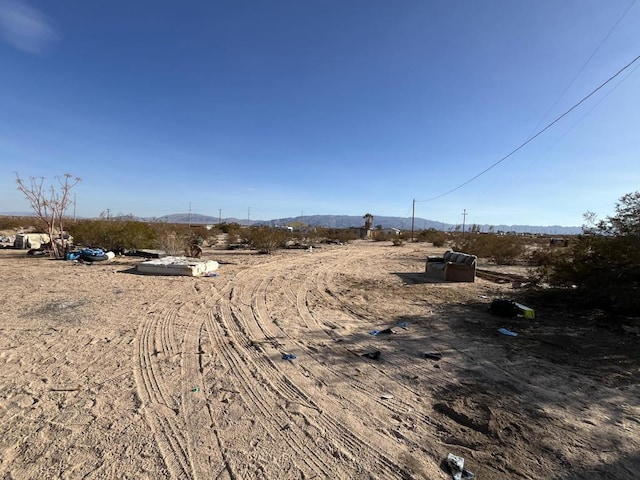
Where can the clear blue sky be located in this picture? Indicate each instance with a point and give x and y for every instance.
(323, 107)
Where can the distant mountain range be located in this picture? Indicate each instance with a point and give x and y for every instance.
(347, 221)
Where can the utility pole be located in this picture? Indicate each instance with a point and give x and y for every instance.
(248, 216)
(464, 218)
(413, 218)
(219, 215)
(189, 214)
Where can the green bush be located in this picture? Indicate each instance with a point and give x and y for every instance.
(606, 268)
(603, 265)
(437, 237)
(341, 235)
(501, 249)
(267, 239)
(16, 223)
(113, 234)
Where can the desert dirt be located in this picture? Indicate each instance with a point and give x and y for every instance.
(105, 373)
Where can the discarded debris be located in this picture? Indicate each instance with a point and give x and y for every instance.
(372, 355)
(506, 332)
(504, 308)
(456, 467)
(508, 308)
(386, 396)
(403, 325)
(381, 332)
(289, 356)
(432, 355)
(195, 390)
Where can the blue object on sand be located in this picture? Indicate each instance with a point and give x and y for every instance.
(289, 356)
(508, 333)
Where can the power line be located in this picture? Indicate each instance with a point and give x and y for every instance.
(584, 65)
(533, 137)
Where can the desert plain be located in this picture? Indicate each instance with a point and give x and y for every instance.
(109, 374)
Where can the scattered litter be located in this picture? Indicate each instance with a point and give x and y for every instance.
(504, 308)
(289, 356)
(508, 308)
(380, 332)
(506, 332)
(195, 390)
(432, 355)
(386, 396)
(482, 296)
(526, 312)
(211, 274)
(403, 325)
(456, 467)
(372, 355)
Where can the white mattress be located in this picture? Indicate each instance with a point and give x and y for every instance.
(185, 266)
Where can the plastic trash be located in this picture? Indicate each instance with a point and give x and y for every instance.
(289, 356)
(456, 467)
(506, 332)
(381, 332)
(195, 390)
(403, 325)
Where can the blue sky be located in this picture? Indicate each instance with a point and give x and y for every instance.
(340, 107)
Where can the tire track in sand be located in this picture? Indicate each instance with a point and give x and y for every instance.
(252, 321)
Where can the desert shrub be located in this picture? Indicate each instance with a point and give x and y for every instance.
(603, 265)
(229, 227)
(267, 239)
(341, 235)
(234, 238)
(113, 234)
(501, 249)
(606, 268)
(542, 255)
(437, 237)
(174, 243)
(17, 223)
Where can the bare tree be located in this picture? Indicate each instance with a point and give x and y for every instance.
(49, 205)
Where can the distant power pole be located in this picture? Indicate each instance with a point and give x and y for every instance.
(464, 217)
(219, 215)
(189, 214)
(249, 215)
(413, 217)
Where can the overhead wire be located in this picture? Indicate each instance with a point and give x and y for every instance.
(536, 135)
(584, 65)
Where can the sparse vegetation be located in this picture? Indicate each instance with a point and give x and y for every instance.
(114, 234)
(437, 237)
(603, 264)
(267, 239)
(49, 206)
(501, 249)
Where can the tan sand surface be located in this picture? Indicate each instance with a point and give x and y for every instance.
(106, 373)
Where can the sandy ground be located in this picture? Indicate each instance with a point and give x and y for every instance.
(105, 373)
